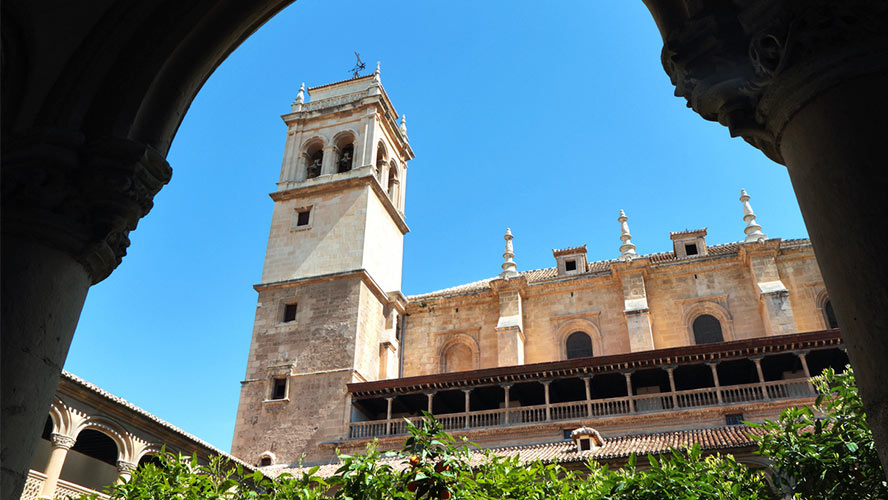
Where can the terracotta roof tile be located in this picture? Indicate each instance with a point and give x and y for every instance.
(139, 411)
(601, 266)
(713, 439)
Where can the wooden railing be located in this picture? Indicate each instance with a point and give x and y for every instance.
(578, 410)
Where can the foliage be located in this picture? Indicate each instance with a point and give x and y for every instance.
(832, 456)
(180, 478)
(828, 457)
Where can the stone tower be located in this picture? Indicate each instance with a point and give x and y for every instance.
(329, 309)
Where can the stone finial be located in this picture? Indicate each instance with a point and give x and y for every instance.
(627, 249)
(296, 105)
(509, 267)
(300, 97)
(404, 125)
(753, 230)
(376, 73)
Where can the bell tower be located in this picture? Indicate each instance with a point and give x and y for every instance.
(330, 306)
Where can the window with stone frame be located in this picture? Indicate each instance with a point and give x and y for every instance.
(707, 329)
(301, 219)
(734, 419)
(570, 265)
(289, 313)
(579, 345)
(278, 388)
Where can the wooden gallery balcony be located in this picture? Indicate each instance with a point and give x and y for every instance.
(700, 376)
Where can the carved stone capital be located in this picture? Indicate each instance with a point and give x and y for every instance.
(752, 65)
(61, 441)
(124, 467)
(79, 197)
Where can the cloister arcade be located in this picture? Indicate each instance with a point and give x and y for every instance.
(91, 439)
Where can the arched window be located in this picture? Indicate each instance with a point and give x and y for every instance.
(346, 158)
(92, 461)
(315, 159)
(458, 358)
(830, 315)
(380, 161)
(393, 183)
(707, 330)
(579, 345)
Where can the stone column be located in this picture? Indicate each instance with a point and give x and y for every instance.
(628, 375)
(468, 409)
(546, 395)
(328, 165)
(670, 370)
(802, 81)
(125, 470)
(60, 446)
(718, 393)
(388, 416)
(430, 395)
(761, 376)
(803, 358)
(587, 383)
(506, 388)
(68, 208)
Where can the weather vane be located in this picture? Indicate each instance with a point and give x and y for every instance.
(359, 66)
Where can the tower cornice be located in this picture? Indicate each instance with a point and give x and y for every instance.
(336, 182)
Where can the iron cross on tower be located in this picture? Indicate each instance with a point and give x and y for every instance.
(359, 65)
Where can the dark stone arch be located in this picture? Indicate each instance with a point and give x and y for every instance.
(707, 329)
(579, 345)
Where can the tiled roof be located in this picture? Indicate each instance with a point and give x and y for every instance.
(569, 251)
(725, 438)
(601, 266)
(340, 81)
(139, 411)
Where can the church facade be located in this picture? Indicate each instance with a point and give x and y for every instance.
(694, 339)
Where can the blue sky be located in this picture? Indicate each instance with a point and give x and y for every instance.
(546, 120)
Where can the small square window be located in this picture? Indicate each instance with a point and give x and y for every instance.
(265, 461)
(570, 265)
(302, 217)
(279, 388)
(691, 249)
(585, 444)
(289, 313)
(734, 419)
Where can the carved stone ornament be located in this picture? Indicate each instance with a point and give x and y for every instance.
(61, 441)
(752, 65)
(124, 467)
(80, 198)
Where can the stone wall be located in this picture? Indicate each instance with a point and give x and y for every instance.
(724, 285)
(319, 354)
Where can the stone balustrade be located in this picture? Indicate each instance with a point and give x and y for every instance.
(64, 489)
